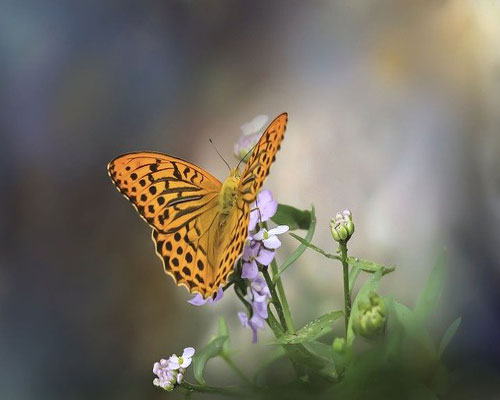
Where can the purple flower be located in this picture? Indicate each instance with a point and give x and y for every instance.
(255, 252)
(258, 297)
(198, 299)
(259, 250)
(263, 209)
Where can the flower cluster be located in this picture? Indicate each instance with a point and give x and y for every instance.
(259, 250)
(171, 372)
(342, 226)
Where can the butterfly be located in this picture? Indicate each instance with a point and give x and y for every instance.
(200, 224)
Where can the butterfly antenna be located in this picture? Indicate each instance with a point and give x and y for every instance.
(225, 162)
(245, 156)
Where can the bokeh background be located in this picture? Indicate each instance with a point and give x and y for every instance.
(393, 112)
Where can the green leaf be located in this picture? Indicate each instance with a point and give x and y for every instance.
(313, 247)
(323, 352)
(353, 277)
(318, 362)
(312, 330)
(414, 333)
(301, 248)
(432, 290)
(368, 286)
(292, 217)
(448, 335)
(223, 330)
(211, 350)
(369, 266)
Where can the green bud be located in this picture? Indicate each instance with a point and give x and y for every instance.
(342, 226)
(334, 232)
(342, 231)
(350, 227)
(339, 345)
(372, 316)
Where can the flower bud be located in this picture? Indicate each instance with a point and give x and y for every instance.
(339, 345)
(342, 226)
(372, 316)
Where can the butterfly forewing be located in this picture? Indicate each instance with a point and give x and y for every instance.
(261, 159)
(166, 191)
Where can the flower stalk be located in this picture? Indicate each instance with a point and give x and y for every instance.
(289, 327)
(275, 299)
(347, 292)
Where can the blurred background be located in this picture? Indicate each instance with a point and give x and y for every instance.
(393, 112)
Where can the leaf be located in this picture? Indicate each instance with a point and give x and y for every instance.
(432, 290)
(211, 350)
(301, 248)
(223, 330)
(368, 286)
(369, 266)
(305, 357)
(313, 247)
(413, 331)
(448, 335)
(324, 352)
(292, 217)
(312, 330)
(353, 276)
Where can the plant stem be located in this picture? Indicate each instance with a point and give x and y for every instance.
(347, 292)
(225, 391)
(281, 291)
(275, 299)
(236, 369)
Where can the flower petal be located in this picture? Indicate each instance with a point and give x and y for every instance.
(218, 296)
(260, 234)
(265, 256)
(255, 125)
(188, 352)
(249, 270)
(267, 205)
(243, 318)
(279, 230)
(272, 243)
(254, 218)
(186, 362)
(198, 300)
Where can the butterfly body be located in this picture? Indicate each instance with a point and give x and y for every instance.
(200, 224)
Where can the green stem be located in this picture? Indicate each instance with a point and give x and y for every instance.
(282, 295)
(225, 391)
(347, 292)
(275, 299)
(236, 369)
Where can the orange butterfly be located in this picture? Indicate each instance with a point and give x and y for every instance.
(199, 223)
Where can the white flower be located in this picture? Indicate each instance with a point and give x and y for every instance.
(255, 125)
(269, 238)
(183, 361)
